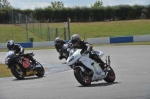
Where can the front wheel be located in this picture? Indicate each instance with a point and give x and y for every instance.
(40, 70)
(17, 71)
(83, 79)
(110, 76)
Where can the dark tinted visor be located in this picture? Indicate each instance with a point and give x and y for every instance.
(58, 42)
(9, 47)
(74, 41)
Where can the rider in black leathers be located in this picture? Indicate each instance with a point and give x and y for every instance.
(58, 43)
(18, 49)
(85, 46)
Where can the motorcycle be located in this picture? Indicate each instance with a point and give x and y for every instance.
(22, 67)
(87, 70)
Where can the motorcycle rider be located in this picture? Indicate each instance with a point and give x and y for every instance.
(18, 49)
(85, 46)
(58, 43)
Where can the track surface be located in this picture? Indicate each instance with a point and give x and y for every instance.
(130, 63)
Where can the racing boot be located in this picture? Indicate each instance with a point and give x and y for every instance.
(102, 64)
(99, 60)
(61, 57)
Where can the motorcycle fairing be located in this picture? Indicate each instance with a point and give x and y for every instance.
(74, 57)
(26, 63)
(96, 70)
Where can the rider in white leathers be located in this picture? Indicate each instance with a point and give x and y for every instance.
(85, 46)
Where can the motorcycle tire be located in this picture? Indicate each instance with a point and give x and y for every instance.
(81, 78)
(17, 71)
(40, 70)
(110, 76)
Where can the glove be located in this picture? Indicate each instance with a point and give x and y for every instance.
(20, 53)
(68, 49)
(85, 52)
(93, 52)
(89, 48)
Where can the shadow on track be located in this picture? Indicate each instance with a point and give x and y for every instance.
(28, 78)
(64, 63)
(100, 84)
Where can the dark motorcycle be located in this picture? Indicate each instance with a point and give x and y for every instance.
(22, 67)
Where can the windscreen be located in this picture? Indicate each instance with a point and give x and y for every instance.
(72, 51)
(9, 53)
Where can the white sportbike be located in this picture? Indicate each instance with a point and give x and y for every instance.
(87, 70)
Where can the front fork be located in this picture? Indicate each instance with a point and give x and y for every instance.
(107, 62)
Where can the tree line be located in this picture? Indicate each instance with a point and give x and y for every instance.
(85, 14)
(56, 12)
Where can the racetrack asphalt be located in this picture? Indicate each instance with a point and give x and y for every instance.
(130, 63)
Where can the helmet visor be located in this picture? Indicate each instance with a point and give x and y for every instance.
(74, 41)
(9, 47)
(57, 42)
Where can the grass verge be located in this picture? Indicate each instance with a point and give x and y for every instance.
(84, 29)
(4, 72)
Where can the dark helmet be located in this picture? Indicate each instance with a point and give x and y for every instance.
(75, 39)
(10, 44)
(57, 40)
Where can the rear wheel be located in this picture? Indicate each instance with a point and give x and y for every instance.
(17, 71)
(83, 79)
(40, 70)
(110, 76)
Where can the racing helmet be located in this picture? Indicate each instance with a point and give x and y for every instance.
(75, 39)
(57, 40)
(10, 44)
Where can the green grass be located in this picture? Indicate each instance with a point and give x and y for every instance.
(18, 32)
(111, 28)
(4, 72)
(85, 30)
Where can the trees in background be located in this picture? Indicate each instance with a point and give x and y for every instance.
(5, 4)
(86, 14)
(97, 4)
(4, 7)
(56, 12)
(57, 5)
